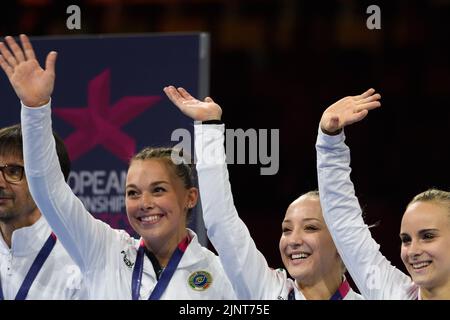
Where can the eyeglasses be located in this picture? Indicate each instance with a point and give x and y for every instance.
(12, 172)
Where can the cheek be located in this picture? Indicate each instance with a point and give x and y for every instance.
(174, 206)
(282, 244)
(25, 199)
(169, 204)
(318, 242)
(177, 203)
(326, 246)
(403, 253)
(130, 206)
(439, 250)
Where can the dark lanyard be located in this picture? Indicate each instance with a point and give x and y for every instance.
(34, 269)
(166, 275)
(340, 293)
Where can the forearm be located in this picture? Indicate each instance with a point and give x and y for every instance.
(371, 271)
(73, 225)
(244, 264)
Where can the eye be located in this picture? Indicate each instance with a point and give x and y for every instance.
(159, 190)
(131, 193)
(285, 230)
(428, 236)
(311, 227)
(405, 239)
(13, 170)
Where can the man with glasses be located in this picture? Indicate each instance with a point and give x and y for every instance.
(33, 263)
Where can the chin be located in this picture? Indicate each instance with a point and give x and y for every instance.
(424, 281)
(154, 233)
(299, 275)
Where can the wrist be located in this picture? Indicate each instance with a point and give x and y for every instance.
(32, 104)
(331, 133)
(215, 121)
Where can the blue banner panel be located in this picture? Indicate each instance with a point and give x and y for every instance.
(109, 103)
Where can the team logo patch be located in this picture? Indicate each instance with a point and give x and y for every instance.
(127, 261)
(200, 280)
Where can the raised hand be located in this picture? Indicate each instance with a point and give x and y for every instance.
(348, 110)
(32, 84)
(194, 108)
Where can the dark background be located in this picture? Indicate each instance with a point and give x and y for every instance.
(279, 64)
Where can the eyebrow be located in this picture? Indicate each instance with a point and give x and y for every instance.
(420, 232)
(306, 219)
(428, 230)
(132, 185)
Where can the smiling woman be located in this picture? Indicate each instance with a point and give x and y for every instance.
(306, 247)
(425, 236)
(425, 227)
(159, 197)
(158, 201)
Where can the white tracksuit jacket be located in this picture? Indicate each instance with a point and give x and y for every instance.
(244, 264)
(59, 278)
(374, 275)
(105, 256)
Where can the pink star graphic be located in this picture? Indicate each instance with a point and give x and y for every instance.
(100, 123)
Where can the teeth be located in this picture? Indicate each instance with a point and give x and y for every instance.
(300, 255)
(152, 218)
(420, 265)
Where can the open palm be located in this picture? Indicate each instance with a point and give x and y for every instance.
(192, 107)
(32, 84)
(349, 110)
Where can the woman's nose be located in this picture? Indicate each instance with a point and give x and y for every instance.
(147, 202)
(295, 240)
(415, 249)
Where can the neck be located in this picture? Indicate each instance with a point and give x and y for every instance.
(7, 228)
(323, 289)
(439, 293)
(164, 248)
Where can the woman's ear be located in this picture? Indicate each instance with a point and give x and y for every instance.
(192, 197)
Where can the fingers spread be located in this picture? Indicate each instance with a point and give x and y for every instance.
(174, 96)
(185, 94)
(370, 98)
(16, 50)
(169, 92)
(368, 104)
(51, 61)
(7, 55)
(27, 47)
(371, 105)
(366, 94)
(6, 67)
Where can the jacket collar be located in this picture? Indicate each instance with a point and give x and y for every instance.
(193, 254)
(340, 293)
(27, 240)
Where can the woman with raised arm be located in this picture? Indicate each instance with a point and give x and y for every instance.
(167, 262)
(306, 247)
(425, 226)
